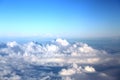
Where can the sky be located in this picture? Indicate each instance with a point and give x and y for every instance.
(60, 18)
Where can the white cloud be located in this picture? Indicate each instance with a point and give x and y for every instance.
(89, 69)
(86, 49)
(75, 59)
(67, 72)
(75, 69)
(12, 44)
(63, 42)
(52, 48)
(74, 53)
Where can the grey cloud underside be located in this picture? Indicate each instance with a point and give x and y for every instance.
(57, 60)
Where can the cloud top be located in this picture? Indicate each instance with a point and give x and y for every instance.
(72, 60)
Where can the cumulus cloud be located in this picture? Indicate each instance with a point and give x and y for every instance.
(89, 69)
(62, 42)
(12, 44)
(73, 60)
(75, 69)
(58, 51)
(70, 71)
(52, 48)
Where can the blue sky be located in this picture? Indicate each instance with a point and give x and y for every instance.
(60, 18)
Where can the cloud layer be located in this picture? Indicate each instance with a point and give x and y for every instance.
(74, 61)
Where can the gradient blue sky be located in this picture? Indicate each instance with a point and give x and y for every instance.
(60, 18)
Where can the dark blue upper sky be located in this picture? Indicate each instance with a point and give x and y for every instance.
(60, 18)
